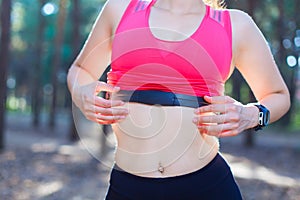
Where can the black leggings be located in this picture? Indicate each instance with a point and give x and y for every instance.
(213, 182)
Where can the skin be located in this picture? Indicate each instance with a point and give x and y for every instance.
(251, 56)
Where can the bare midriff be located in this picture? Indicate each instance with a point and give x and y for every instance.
(161, 141)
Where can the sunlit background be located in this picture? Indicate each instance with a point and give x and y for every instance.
(34, 36)
(39, 137)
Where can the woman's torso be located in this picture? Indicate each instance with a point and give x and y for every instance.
(161, 136)
(156, 141)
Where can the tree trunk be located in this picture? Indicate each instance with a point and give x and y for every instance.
(76, 47)
(236, 85)
(291, 74)
(4, 62)
(249, 139)
(249, 134)
(57, 57)
(282, 53)
(37, 73)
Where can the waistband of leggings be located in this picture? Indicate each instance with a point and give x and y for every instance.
(216, 169)
(156, 97)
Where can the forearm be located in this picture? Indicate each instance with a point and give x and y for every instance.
(277, 103)
(77, 77)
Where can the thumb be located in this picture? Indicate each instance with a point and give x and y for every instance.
(208, 99)
(102, 86)
(219, 99)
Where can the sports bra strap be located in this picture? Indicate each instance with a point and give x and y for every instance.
(223, 18)
(143, 4)
(220, 16)
(139, 5)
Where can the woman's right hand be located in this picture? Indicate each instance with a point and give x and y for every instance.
(96, 108)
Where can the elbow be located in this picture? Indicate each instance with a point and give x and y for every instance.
(71, 77)
(280, 103)
(288, 100)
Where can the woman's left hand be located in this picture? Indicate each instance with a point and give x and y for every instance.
(224, 117)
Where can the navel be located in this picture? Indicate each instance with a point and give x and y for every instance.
(161, 169)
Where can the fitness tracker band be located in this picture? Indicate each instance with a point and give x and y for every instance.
(263, 117)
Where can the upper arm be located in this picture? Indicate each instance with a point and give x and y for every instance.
(95, 55)
(253, 58)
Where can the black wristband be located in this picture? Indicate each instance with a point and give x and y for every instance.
(263, 117)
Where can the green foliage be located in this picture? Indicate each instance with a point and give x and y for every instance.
(278, 20)
(26, 17)
(295, 124)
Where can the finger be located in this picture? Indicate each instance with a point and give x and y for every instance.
(215, 130)
(215, 108)
(99, 101)
(105, 122)
(102, 86)
(207, 129)
(110, 117)
(216, 119)
(91, 116)
(111, 111)
(219, 99)
(229, 133)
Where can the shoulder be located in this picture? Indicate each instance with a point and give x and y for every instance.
(113, 7)
(248, 41)
(243, 24)
(244, 30)
(116, 4)
(241, 20)
(113, 10)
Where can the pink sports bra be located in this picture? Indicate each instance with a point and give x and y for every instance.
(198, 65)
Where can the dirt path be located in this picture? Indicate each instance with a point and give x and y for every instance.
(43, 164)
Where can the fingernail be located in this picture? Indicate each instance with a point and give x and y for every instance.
(195, 120)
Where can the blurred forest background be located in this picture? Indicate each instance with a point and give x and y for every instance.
(39, 40)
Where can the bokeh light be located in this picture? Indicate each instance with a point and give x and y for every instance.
(49, 9)
(291, 61)
(287, 43)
